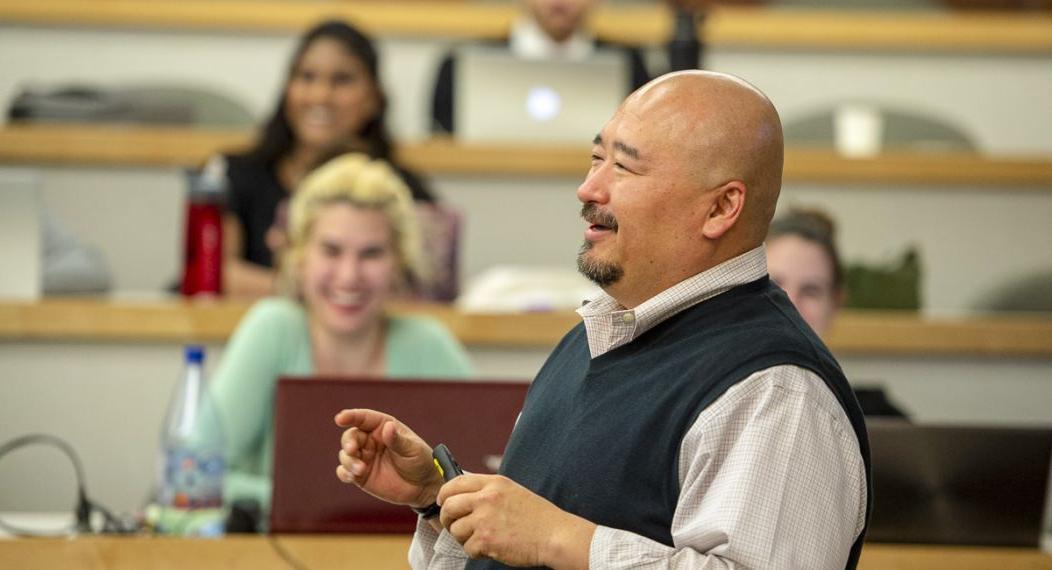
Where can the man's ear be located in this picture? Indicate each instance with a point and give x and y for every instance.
(728, 202)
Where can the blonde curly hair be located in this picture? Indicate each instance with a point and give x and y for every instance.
(362, 182)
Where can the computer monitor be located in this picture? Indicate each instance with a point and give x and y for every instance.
(958, 484)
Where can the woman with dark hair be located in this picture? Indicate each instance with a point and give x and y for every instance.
(332, 102)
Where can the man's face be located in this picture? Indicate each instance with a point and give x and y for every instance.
(644, 205)
(559, 18)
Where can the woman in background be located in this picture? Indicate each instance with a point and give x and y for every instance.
(802, 259)
(332, 101)
(352, 240)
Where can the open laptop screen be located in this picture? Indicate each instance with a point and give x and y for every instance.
(505, 98)
(958, 484)
(474, 418)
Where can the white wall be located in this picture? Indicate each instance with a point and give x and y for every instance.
(1002, 101)
(971, 240)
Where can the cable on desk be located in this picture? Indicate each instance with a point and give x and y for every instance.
(84, 507)
(284, 553)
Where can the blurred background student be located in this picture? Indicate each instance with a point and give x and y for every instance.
(352, 241)
(332, 100)
(548, 29)
(802, 258)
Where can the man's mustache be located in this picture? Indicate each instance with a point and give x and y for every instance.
(593, 215)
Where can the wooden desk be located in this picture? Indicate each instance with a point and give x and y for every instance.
(389, 552)
(123, 146)
(748, 27)
(177, 320)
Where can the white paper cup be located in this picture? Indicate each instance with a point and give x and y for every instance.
(858, 130)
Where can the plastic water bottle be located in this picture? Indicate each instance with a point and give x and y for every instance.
(191, 461)
(203, 249)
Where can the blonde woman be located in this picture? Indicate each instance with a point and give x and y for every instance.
(352, 244)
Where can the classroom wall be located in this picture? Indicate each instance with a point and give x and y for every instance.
(108, 399)
(971, 239)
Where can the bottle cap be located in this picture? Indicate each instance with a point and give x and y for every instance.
(195, 354)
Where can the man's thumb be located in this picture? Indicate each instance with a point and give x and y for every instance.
(401, 440)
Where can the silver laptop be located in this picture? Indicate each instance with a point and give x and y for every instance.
(501, 98)
(21, 249)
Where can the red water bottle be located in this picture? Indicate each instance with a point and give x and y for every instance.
(203, 263)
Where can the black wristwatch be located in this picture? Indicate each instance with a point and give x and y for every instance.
(429, 512)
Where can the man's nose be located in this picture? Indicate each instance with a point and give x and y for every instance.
(594, 187)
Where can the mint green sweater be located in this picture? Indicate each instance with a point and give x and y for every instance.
(272, 340)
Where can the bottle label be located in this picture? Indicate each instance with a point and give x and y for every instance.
(193, 479)
(203, 263)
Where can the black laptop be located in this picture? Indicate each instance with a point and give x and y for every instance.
(958, 484)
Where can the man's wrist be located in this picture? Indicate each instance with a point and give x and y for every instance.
(428, 494)
(429, 512)
(570, 546)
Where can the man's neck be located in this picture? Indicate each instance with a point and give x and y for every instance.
(630, 297)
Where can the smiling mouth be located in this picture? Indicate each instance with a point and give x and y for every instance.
(599, 220)
(346, 300)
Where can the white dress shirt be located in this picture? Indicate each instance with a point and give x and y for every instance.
(770, 474)
(528, 41)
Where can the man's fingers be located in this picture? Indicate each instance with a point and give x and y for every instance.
(361, 418)
(352, 465)
(455, 508)
(350, 436)
(467, 483)
(347, 477)
(401, 440)
(461, 529)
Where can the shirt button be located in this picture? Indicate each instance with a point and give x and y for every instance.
(627, 318)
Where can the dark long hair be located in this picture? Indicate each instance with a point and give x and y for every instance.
(276, 139)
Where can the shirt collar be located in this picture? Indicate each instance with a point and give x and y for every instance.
(528, 40)
(609, 325)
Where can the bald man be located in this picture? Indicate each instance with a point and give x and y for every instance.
(693, 420)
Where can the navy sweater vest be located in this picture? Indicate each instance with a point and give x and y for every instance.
(600, 437)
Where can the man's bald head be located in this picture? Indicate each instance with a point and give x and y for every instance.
(730, 131)
(684, 176)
